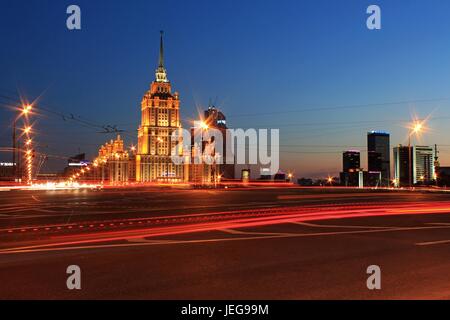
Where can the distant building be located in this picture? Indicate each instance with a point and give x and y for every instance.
(443, 176)
(378, 155)
(75, 163)
(115, 162)
(7, 171)
(352, 178)
(420, 171)
(215, 119)
(305, 182)
(280, 176)
(423, 165)
(203, 168)
(351, 175)
(351, 161)
(402, 168)
(265, 174)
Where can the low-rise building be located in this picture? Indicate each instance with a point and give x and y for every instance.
(114, 163)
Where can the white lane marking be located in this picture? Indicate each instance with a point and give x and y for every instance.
(143, 240)
(36, 199)
(39, 248)
(338, 226)
(233, 231)
(430, 243)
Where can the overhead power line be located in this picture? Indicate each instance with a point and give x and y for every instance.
(338, 107)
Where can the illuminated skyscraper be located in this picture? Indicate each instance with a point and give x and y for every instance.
(422, 167)
(423, 164)
(160, 118)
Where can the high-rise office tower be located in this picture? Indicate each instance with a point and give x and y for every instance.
(378, 155)
(402, 169)
(421, 169)
(423, 164)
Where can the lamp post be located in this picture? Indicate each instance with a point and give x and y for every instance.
(25, 110)
(415, 129)
(15, 170)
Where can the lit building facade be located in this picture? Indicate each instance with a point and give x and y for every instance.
(423, 165)
(421, 170)
(160, 119)
(113, 162)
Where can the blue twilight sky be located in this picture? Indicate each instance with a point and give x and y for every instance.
(292, 65)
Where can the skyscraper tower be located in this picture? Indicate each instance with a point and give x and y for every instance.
(379, 155)
(160, 119)
(403, 171)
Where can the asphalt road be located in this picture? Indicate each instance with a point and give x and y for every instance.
(260, 243)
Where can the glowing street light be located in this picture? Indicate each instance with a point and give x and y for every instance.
(416, 128)
(26, 109)
(23, 110)
(330, 180)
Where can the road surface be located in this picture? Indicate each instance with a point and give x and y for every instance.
(256, 243)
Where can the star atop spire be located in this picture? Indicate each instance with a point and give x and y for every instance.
(161, 74)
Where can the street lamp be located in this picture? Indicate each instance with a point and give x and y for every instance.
(330, 180)
(24, 111)
(415, 129)
(204, 125)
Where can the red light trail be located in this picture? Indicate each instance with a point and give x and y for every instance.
(194, 223)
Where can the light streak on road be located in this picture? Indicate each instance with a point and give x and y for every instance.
(52, 186)
(186, 224)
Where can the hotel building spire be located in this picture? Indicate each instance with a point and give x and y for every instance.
(161, 73)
